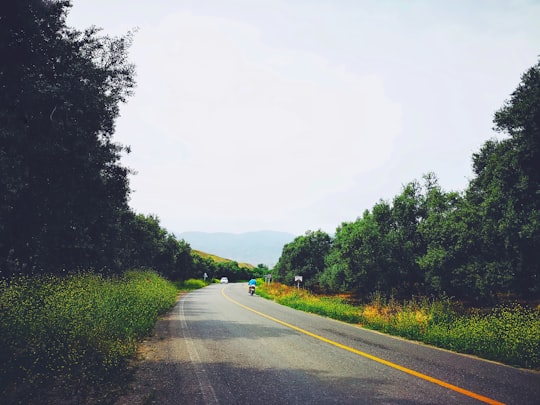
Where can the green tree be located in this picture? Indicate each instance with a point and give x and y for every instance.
(184, 267)
(505, 193)
(363, 254)
(305, 257)
(444, 233)
(380, 251)
(404, 243)
(62, 189)
(473, 245)
(351, 262)
(202, 265)
(261, 270)
(145, 244)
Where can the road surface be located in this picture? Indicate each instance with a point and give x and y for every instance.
(226, 347)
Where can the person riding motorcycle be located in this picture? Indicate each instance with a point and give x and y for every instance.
(251, 284)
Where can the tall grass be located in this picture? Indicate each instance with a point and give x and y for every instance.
(332, 307)
(509, 334)
(75, 329)
(192, 284)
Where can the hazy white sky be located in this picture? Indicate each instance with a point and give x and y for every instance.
(299, 115)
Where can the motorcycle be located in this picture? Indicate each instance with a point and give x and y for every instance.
(251, 289)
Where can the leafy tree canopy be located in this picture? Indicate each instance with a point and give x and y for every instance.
(304, 256)
(62, 189)
(506, 192)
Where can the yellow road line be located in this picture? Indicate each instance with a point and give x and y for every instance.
(371, 357)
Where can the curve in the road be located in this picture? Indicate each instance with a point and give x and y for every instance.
(369, 356)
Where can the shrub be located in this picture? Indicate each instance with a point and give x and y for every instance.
(75, 329)
(193, 284)
(510, 334)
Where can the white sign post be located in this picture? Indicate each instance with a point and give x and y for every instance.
(298, 280)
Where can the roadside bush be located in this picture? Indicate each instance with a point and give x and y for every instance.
(193, 284)
(509, 334)
(75, 329)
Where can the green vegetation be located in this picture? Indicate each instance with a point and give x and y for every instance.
(63, 191)
(216, 267)
(70, 315)
(192, 284)
(219, 259)
(509, 334)
(74, 330)
(64, 207)
(478, 246)
(481, 247)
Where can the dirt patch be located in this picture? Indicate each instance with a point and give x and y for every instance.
(149, 377)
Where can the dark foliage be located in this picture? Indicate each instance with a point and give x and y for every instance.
(304, 256)
(63, 192)
(478, 245)
(62, 188)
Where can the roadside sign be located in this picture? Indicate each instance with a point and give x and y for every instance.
(298, 280)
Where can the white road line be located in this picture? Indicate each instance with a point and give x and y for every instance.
(208, 393)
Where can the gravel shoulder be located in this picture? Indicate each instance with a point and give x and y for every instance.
(147, 378)
(155, 367)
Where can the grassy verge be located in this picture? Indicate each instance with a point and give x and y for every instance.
(508, 334)
(191, 284)
(64, 333)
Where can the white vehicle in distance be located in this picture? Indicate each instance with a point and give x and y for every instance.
(224, 280)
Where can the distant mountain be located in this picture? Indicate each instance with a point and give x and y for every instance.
(251, 247)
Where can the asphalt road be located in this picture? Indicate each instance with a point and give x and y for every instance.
(230, 348)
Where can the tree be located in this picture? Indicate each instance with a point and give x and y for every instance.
(380, 251)
(145, 244)
(505, 192)
(62, 189)
(473, 245)
(443, 233)
(261, 270)
(202, 265)
(305, 257)
(349, 263)
(404, 241)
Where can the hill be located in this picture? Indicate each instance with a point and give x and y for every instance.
(261, 247)
(220, 259)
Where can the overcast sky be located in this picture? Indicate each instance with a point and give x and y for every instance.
(299, 115)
